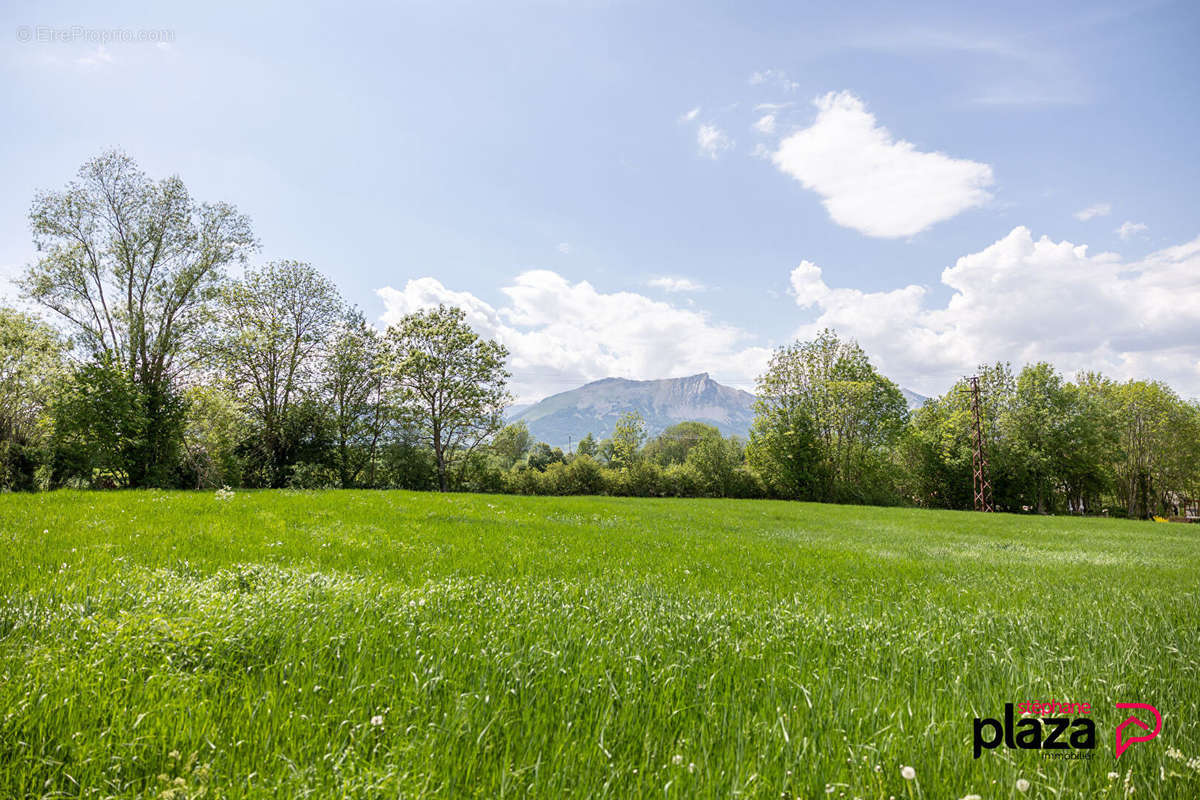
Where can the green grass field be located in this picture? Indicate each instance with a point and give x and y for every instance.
(392, 644)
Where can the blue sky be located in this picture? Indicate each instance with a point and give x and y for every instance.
(600, 185)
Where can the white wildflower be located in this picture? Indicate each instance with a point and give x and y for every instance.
(1022, 785)
(377, 720)
(908, 773)
(677, 759)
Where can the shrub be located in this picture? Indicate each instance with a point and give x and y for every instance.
(313, 476)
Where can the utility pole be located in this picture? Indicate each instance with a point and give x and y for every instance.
(979, 480)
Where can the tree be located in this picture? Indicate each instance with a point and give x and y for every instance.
(214, 428)
(542, 455)
(452, 382)
(783, 450)
(716, 460)
(512, 443)
(627, 438)
(132, 265)
(272, 331)
(673, 444)
(587, 446)
(32, 372)
(107, 429)
(353, 387)
(937, 450)
(827, 388)
(1158, 436)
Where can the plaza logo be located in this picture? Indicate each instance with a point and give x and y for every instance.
(1064, 729)
(1123, 744)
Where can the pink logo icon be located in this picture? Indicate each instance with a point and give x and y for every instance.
(1122, 744)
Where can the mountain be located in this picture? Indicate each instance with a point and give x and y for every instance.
(595, 407)
(565, 418)
(913, 399)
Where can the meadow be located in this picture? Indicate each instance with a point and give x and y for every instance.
(397, 644)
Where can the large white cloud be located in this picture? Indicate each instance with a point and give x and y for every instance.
(872, 182)
(562, 334)
(1022, 299)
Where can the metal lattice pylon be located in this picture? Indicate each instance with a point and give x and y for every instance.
(979, 479)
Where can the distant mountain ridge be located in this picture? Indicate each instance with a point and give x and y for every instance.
(563, 419)
(595, 408)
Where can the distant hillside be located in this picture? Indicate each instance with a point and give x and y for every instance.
(594, 408)
(913, 399)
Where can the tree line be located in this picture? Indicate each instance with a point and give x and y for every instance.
(166, 371)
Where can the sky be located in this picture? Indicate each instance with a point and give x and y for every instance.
(651, 190)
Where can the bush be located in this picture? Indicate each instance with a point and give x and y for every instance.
(313, 476)
(643, 479)
(682, 480)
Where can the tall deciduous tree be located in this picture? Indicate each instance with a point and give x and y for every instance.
(132, 264)
(628, 435)
(452, 382)
(353, 388)
(512, 443)
(827, 388)
(273, 328)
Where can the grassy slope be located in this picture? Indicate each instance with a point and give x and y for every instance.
(575, 646)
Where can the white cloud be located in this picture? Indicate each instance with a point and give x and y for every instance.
(712, 141)
(1097, 210)
(688, 116)
(95, 58)
(765, 124)
(775, 77)
(1023, 300)
(675, 284)
(872, 182)
(562, 334)
(1129, 229)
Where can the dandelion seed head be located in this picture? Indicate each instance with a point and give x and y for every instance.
(908, 773)
(1022, 785)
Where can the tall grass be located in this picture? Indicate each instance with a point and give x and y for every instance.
(391, 644)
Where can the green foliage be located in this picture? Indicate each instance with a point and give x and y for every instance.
(214, 428)
(541, 456)
(110, 431)
(511, 444)
(626, 442)
(272, 327)
(673, 444)
(306, 475)
(715, 460)
(451, 383)
(32, 372)
(824, 417)
(587, 446)
(352, 382)
(132, 265)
